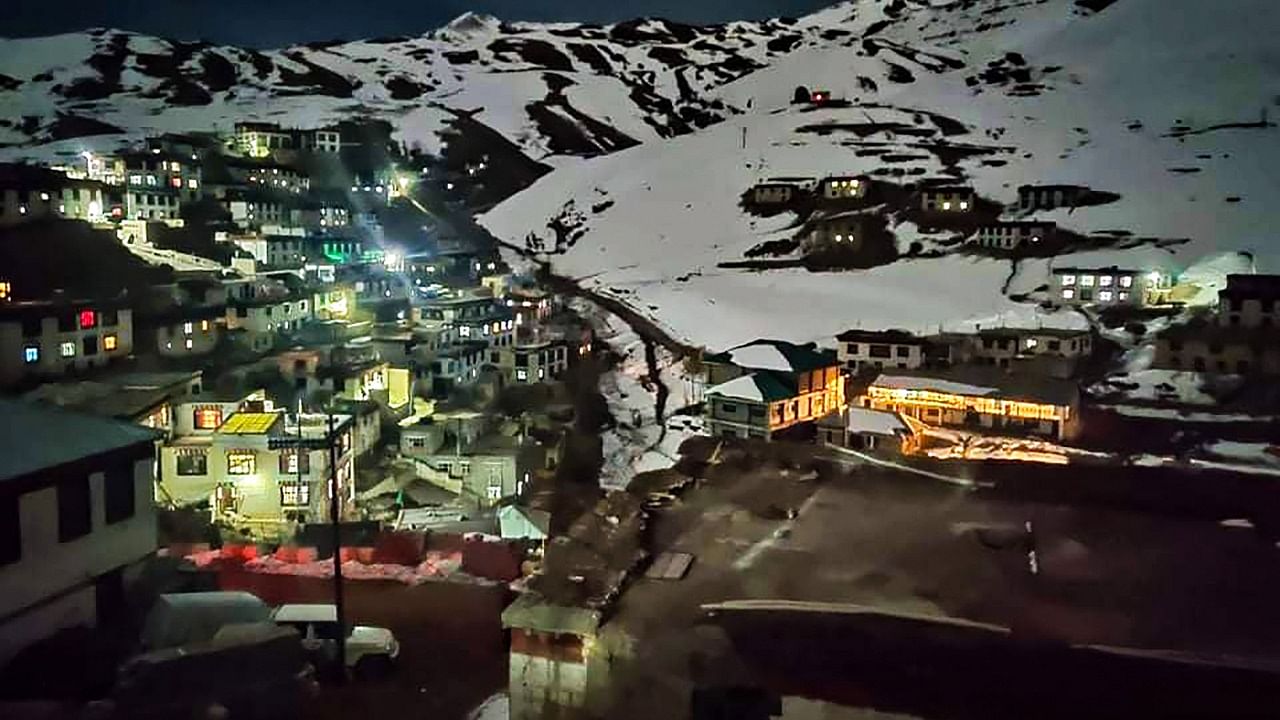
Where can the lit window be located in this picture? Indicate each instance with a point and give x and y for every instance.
(31, 354)
(839, 238)
(204, 326)
(241, 462)
(109, 342)
(188, 343)
(946, 205)
(1105, 281)
(1068, 293)
(1104, 295)
(187, 328)
(151, 179)
(494, 492)
(22, 209)
(5, 290)
(192, 183)
(1086, 280)
(295, 494)
(44, 196)
(135, 179)
(1068, 279)
(207, 418)
(1126, 281)
(68, 349)
(1123, 296)
(542, 373)
(1032, 342)
(88, 319)
(176, 182)
(522, 374)
(964, 205)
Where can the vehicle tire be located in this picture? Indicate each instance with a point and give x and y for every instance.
(374, 667)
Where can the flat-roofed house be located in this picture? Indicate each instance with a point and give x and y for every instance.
(76, 520)
(861, 349)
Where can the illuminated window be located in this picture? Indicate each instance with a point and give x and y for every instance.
(1104, 295)
(88, 319)
(1123, 296)
(187, 328)
(68, 349)
(204, 326)
(1068, 279)
(193, 463)
(1032, 342)
(241, 462)
(964, 205)
(1068, 293)
(1105, 281)
(946, 205)
(494, 492)
(192, 183)
(295, 494)
(188, 343)
(542, 373)
(31, 354)
(207, 418)
(1126, 281)
(176, 182)
(44, 196)
(109, 342)
(1086, 280)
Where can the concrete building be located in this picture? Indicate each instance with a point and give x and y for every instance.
(54, 338)
(1250, 301)
(258, 139)
(1205, 346)
(1109, 286)
(157, 170)
(948, 199)
(781, 190)
(766, 386)
(862, 349)
(836, 231)
(252, 473)
(269, 176)
(982, 400)
(456, 366)
(1048, 197)
(76, 520)
(844, 187)
(861, 428)
(141, 398)
(1009, 236)
(261, 321)
(254, 208)
(486, 470)
(1014, 347)
(29, 192)
(535, 362)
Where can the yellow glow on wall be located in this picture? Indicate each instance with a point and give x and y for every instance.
(399, 385)
(880, 396)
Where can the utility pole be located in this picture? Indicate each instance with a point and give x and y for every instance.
(335, 509)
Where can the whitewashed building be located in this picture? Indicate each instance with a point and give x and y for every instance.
(76, 520)
(1109, 286)
(50, 339)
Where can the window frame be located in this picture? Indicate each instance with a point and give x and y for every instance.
(239, 459)
(75, 509)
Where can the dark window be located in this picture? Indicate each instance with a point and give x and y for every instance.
(494, 357)
(193, 464)
(66, 322)
(31, 326)
(91, 345)
(110, 317)
(902, 351)
(119, 496)
(879, 351)
(1004, 344)
(987, 343)
(522, 360)
(74, 517)
(728, 407)
(1056, 345)
(242, 312)
(853, 348)
(1086, 295)
(10, 529)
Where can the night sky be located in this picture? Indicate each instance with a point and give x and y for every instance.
(273, 23)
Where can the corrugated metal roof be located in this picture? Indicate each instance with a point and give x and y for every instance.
(35, 436)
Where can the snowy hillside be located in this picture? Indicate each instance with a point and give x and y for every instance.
(1163, 102)
(551, 89)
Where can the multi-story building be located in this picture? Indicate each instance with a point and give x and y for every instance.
(157, 171)
(457, 366)
(1109, 286)
(859, 350)
(326, 139)
(253, 208)
(484, 470)
(982, 399)
(142, 398)
(259, 139)
(1239, 339)
(48, 339)
(497, 328)
(766, 386)
(262, 471)
(1048, 197)
(838, 231)
(29, 192)
(262, 320)
(76, 520)
(535, 362)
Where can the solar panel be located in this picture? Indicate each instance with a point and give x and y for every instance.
(249, 423)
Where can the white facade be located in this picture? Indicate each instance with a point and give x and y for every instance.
(186, 338)
(947, 199)
(58, 574)
(843, 188)
(540, 362)
(859, 351)
(74, 201)
(1108, 286)
(48, 340)
(1012, 236)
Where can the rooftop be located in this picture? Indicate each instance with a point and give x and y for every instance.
(35, 437)
(249, 423)
(777, 355)
(982, 381)
(879, 336)
(99, 398)
(759, 386)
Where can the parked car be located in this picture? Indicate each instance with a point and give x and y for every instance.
(370, 651)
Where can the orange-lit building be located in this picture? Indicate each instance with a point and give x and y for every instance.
(766, 386)
(981, 399)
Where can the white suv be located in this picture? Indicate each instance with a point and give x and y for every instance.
(371, 651)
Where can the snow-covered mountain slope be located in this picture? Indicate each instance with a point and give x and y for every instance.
(1167, 103)
(551, 89)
